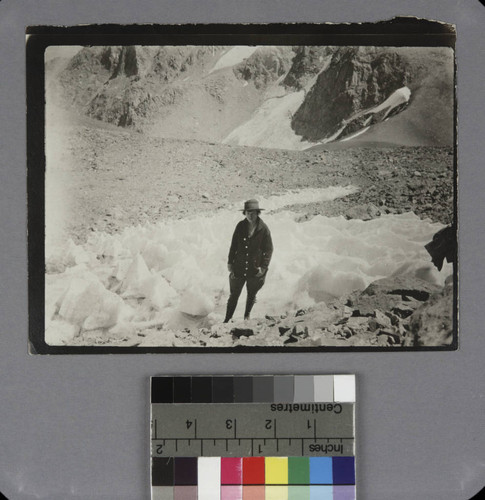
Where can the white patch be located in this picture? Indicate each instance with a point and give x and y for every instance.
(270, 125)
(233, 56)
(360, 132)
(400, 96)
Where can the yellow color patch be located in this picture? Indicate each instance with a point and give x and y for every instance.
(276, 470)
(276, 493)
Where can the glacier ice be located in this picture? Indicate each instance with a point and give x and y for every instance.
(173, 274)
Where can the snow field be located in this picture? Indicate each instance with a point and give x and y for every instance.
(270, 125)
(234, 56)
(398, 97)
(173, 274)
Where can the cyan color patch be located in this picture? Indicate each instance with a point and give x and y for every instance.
(321, 493)
(321, 470)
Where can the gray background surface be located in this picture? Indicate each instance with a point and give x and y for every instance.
(77, 426)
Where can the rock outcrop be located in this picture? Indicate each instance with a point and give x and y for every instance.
(402, 311)
(307, 63)
(265, 65)
(357, 78)
(432, 323)
(128, 85)
(172, 90)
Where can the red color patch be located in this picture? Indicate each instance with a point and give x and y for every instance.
(253, 470)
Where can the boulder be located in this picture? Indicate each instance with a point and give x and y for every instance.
(364, 212)
(300, 331)
(380, 320)
(358, 324)
(397, 293)
(242, 332)
(284, 329)
(404, 286)
(432, 323)
(221, 330)
(393, 338)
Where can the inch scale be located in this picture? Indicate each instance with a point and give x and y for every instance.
(252, 429)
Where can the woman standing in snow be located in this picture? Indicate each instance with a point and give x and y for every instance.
(249, 258)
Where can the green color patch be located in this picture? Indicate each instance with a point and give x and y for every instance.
(298, 492)
(298, 470)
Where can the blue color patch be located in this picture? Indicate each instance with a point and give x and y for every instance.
(343, 470)
(320, 470)
(321, 493)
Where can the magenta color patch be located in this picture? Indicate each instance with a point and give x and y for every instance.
(344, 493)
(231, 470)
(231, 492)
(185, 493)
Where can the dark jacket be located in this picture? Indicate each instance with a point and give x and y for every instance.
(247, 254)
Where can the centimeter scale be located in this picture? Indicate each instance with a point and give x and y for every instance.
(253, 438)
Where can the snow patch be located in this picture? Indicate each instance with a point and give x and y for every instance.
(303, 196)
(360, 132)
(398, 97)
(270, 125)
(196, 303)
(89, 305)
(172, 275)
(234, 56)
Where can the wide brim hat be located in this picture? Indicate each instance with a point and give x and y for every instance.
(251, 205)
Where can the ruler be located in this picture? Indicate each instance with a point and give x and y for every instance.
(298, 426)
(253, 429)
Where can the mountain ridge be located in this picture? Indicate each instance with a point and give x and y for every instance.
(332, 93)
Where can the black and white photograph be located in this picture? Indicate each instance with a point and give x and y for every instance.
(248, 196)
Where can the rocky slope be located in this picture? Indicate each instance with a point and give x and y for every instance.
(359, 78)
(178, 178)
(308, 62)
(392, 312)
(175, 91)
(126, 85)
(265, 66)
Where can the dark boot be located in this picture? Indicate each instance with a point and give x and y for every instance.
(231, 307)
(249, 305)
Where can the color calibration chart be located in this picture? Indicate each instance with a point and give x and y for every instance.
(253, 438)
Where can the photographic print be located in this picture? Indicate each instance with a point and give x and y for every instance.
(269, 191)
